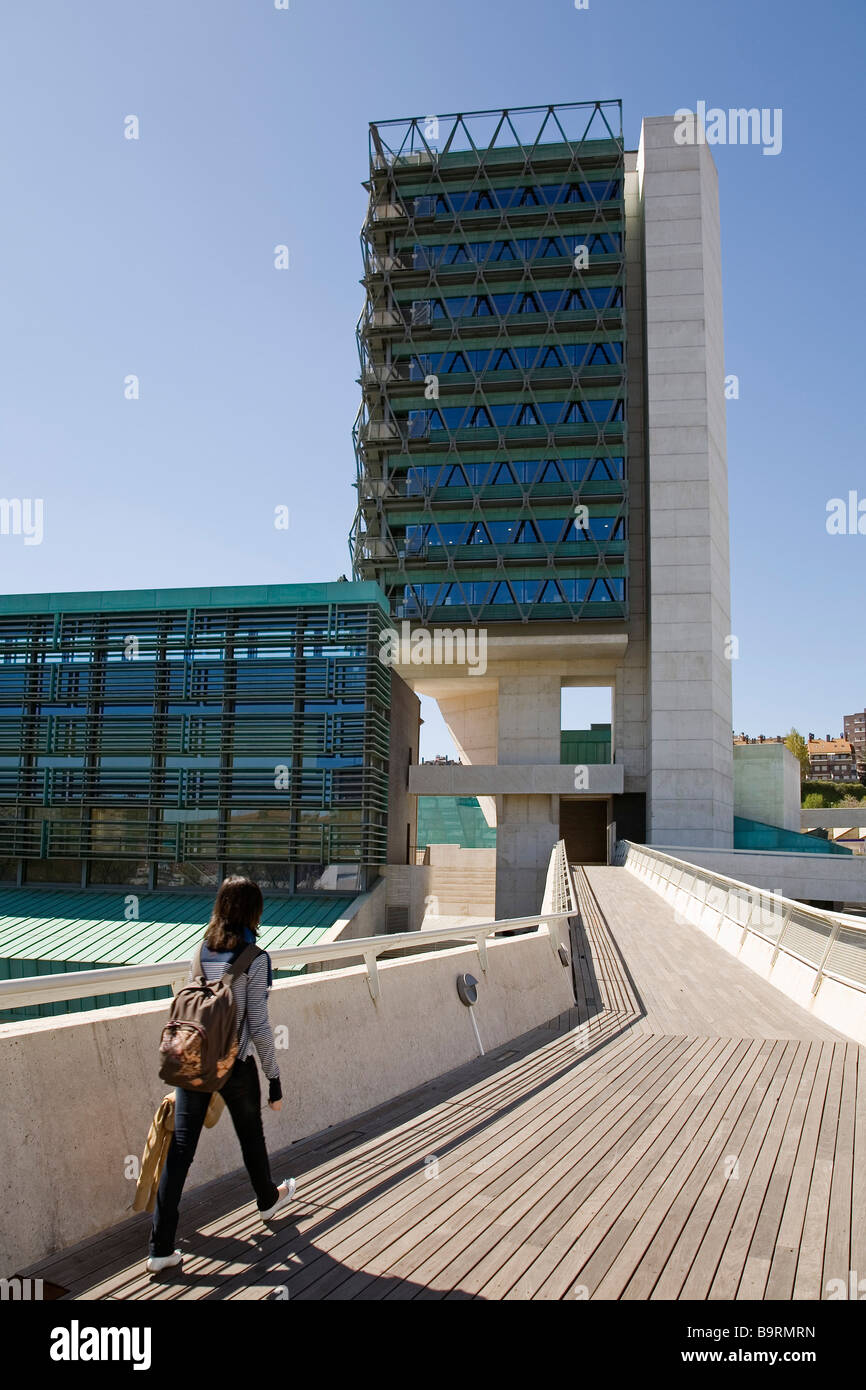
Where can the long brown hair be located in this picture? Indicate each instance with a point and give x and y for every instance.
(238, 904)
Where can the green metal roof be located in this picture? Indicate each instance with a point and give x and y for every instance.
(85, 928)
(226, 596)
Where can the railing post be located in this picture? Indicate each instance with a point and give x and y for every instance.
(481, 943)
(786, 922)
(831, 941)
(372, 974)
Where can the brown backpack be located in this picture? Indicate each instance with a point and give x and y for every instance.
(199, 1043)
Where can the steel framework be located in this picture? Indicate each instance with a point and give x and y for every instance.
(491, 439)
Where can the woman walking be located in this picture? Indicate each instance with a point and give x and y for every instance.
(233, 926)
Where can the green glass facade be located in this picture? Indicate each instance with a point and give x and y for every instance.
(491, 441)
(163, 739)
(453, 820)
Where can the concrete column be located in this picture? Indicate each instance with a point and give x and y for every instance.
(630, 694)
(690, 749)
(527, 826)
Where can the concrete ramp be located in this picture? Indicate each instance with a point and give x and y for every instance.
(685, 982)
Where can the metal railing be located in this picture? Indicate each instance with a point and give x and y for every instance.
(560, 897)
(831, 943)
(558, 905)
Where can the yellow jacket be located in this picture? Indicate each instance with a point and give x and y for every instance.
(157, 1145)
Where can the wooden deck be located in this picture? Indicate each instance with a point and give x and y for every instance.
(685, 1132)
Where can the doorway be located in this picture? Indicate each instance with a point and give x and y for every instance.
(583, 827)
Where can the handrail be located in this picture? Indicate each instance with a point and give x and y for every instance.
(831, 934)
(84, 984)
(559, 891)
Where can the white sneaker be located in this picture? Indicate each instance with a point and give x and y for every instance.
(157, 1262)
(286, 1190)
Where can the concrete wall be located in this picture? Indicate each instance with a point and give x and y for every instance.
(767, 784)
(78, 1094)
(821, 878)
(690, 754)
(630, 687)
(554, 779)
(404, 741)
(364, 917)
(456, 857)
(444, 890)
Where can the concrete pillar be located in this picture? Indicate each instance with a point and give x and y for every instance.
(630, 694)
(527, 826)
(515, 721)
(527, 831)
(690, 748)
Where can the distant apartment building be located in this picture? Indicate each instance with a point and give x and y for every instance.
(831, 760)
(855, 733)
(740, 739)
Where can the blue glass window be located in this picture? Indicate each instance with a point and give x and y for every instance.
(521, 195)
(500, 474)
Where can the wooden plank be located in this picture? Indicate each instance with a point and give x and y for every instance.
(583, 1187)
(783, 1267)
(404, 1245)
(810, 1258)
(741, 1224)
(838, 1258)
(656, 1215)
(728, 1125)
(696, 1256)
(649, 1205)
(587, 1262)
(756, 1269)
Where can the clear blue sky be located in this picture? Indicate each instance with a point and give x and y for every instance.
(155, 257)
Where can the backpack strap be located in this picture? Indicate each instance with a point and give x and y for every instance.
(243, 962)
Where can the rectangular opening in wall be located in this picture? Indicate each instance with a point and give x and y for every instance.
(586, 724)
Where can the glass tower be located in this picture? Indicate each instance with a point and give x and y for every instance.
(491, 439)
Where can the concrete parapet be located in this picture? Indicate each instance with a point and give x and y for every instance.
(524, 779)
(78, 1092)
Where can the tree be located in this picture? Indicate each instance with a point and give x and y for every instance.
(797, 745)
(813, 802)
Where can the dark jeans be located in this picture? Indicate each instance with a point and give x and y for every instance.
(242, 1095)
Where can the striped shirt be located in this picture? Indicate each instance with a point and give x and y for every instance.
(250, 992)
